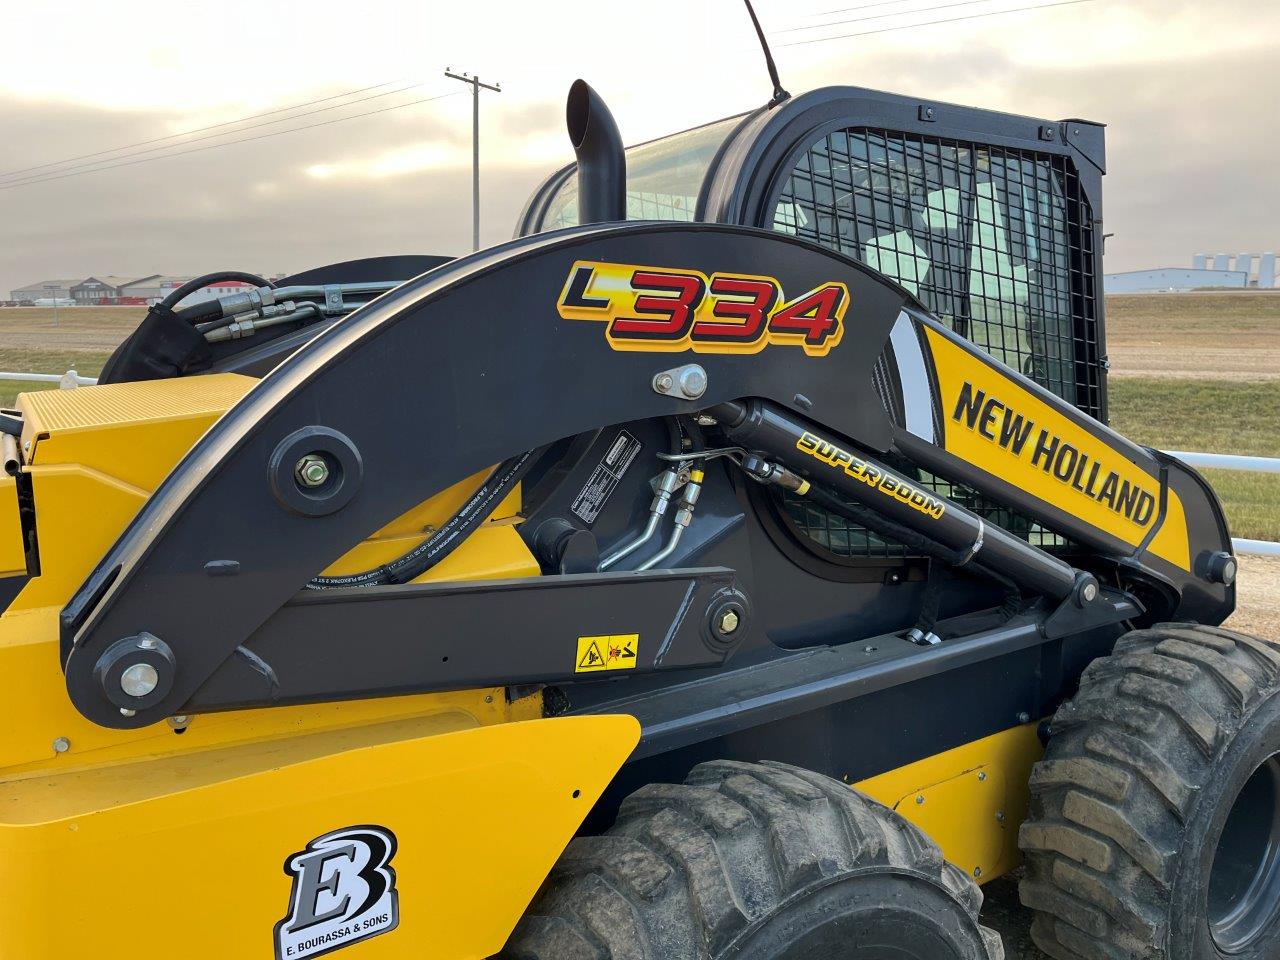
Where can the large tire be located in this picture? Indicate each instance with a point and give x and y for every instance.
(1158, 801)
(755, 861)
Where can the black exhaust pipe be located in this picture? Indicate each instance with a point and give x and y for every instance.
(602, 165)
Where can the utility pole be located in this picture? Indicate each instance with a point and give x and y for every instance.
(475, 146)
(56, 290)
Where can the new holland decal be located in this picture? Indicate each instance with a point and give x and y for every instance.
(1002, 428)
(1003, 425)
(344, 892)
(670, 310)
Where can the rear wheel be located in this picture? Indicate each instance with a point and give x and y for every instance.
(758, 862)
(1155, 815)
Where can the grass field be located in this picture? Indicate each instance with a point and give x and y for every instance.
(80, 340)
(1211, 416)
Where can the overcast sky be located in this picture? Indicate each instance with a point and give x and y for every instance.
(1188, 89)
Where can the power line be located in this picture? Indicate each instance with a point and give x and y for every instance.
(861, 6)
(882, 16)
(214, 136)
(226, 143)
(932, 23)
(212, 126)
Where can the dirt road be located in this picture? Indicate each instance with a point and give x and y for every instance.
(1198, 336)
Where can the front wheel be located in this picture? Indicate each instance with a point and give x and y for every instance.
(755, 862)
(1155, 826)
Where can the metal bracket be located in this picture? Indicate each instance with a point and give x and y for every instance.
(688, 382)
(333, 299)
(494, 633)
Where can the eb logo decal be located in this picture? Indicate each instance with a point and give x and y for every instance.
(344, 891)
(664, 310)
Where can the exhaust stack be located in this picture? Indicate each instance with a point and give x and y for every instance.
(602, 166)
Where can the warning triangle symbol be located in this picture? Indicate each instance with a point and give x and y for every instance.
(591, 658)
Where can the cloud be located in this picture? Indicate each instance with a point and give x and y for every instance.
(1191, 143)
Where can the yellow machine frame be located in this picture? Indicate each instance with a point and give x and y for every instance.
(483, 793)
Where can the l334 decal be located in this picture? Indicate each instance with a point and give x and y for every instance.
(671, 310)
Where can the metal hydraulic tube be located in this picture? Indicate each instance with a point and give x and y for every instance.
(663, 492)
(806, 449)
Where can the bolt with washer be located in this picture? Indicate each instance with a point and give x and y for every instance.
(311, 471)
(61, 745)
(663, 383)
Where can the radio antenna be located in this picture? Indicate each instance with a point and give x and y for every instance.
(779, 94)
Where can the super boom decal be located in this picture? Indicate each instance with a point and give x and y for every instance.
(671, 310)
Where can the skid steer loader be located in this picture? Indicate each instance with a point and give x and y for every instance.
(736, 563)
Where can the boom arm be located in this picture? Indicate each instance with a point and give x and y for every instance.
(480, 360)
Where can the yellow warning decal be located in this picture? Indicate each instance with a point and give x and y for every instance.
(617, 652)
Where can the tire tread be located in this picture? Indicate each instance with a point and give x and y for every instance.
(1126, 759)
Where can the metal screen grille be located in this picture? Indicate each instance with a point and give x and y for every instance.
(997, 242)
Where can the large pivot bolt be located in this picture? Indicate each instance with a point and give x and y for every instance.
(136, 673)
(312, 471)
(315, 471)
(1223, 568)
(1086, 590)
(726, 620)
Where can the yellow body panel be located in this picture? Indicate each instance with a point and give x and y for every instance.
(970, 800)
(982, 445)
(96, 454)
(183, 856)
(171, 840)
(13, 558)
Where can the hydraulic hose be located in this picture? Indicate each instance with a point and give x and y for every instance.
(166, 343)
(201, 310)
(442, 542)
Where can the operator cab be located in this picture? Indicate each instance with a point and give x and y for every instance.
(992, 220)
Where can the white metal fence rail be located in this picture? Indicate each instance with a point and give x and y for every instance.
(59, 378)
(1228, 461)
(1216, 461)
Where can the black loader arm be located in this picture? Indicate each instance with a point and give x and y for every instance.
(475, 362)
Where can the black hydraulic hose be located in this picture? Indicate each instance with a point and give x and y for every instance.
(199, 283)
(442, 542)
(166, 343)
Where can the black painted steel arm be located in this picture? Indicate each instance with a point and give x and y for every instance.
(450, 373)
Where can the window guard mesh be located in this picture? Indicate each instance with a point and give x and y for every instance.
(997, 242)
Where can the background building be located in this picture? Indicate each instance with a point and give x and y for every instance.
(168, 284)
(148, 290)
(1259, 268)
(101, 290)
(1173, 280)
(44, 289)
